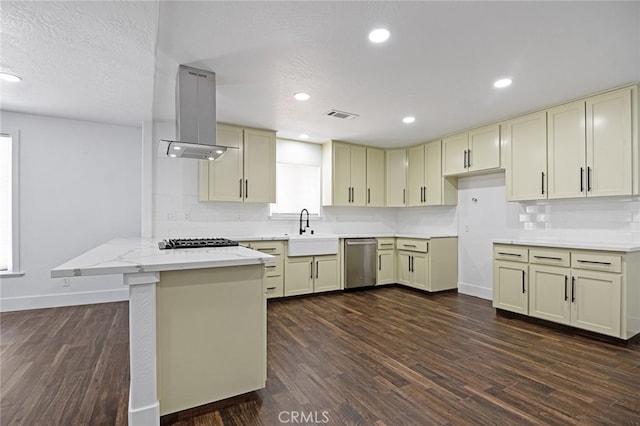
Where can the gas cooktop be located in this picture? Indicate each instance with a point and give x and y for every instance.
(180, 243)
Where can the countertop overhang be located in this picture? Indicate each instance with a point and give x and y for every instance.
(134, 255)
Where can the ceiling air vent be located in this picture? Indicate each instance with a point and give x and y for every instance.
(341, 114)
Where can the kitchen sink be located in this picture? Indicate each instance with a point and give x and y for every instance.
(312, 245)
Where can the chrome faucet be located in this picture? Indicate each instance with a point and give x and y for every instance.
(303, 230)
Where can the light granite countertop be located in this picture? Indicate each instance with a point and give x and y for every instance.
(586, 245)
(132, 255)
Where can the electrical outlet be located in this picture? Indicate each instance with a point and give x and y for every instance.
(187, 216)
(466, 228)
(171, 216)
(66, 282)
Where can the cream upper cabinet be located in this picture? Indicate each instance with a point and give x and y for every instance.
(259, 166)
(396, 177)
(609, 143)
(591, 146)
(525, 153)
(416, 175)
(427, 186)
(474, 151)
(245, 174)
(567, 150)
(375, 177)
(344, 174)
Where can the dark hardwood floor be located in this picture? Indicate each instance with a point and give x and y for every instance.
(390, 356)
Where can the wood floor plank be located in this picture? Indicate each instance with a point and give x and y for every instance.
(389, 356)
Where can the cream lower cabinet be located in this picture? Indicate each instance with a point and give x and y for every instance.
(386, 271)
(311, 274)
(430, 265)
(592, 290)
(274, 272)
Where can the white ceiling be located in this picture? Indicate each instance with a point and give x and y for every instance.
(102, 61)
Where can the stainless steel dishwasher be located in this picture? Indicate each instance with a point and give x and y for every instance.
(360, 262)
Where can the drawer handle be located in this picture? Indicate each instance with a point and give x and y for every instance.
(267, 249)
(271, 288)
(548, 257)
(271, 267)
(594, 262)
(408, 245)
(386, 244)
(510, 254)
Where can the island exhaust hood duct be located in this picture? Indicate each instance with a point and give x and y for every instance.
(195, 117)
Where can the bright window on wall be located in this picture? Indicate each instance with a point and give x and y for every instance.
(298, 178)
(6, 204)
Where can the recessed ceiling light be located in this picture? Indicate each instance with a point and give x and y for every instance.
(379, 35)
(211, 158)
(9, 77)
(177, 148)
(304, 136)
(408, 119)
(503, 82)
(172, 155)
(219, 151)
(302, 96)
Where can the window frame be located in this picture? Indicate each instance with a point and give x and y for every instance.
(14, 268)
(291, 216)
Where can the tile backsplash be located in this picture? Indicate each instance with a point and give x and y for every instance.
(596, 219)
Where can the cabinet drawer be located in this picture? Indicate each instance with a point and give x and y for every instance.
(386, 243)
(274, 269)
(421, 246)
(512, 253)
(274, 287)
(608, 262)
(549, 257)
(269, 247)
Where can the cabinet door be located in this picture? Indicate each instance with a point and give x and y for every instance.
(549, 296)
(226, 182)
(259, 166)
(416, 175)
(341, 174)
(454, 149)
(567, 151)
(325, 272)
(386, 267)
(484, 148)
(403, 267)
(609, 152)
(396, 177)
(510, 286)
(420, 269)
(433, 173)
(375, 177)
(298, 276)
(595, 301)
(526, 157)
(358, 175)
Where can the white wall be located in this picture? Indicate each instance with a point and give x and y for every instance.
(80, 185)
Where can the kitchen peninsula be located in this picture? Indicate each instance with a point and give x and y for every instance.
(197, 321)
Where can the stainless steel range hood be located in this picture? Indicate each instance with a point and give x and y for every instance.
(195, 117)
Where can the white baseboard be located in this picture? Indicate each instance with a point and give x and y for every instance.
(476, 291)
(57, 300)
